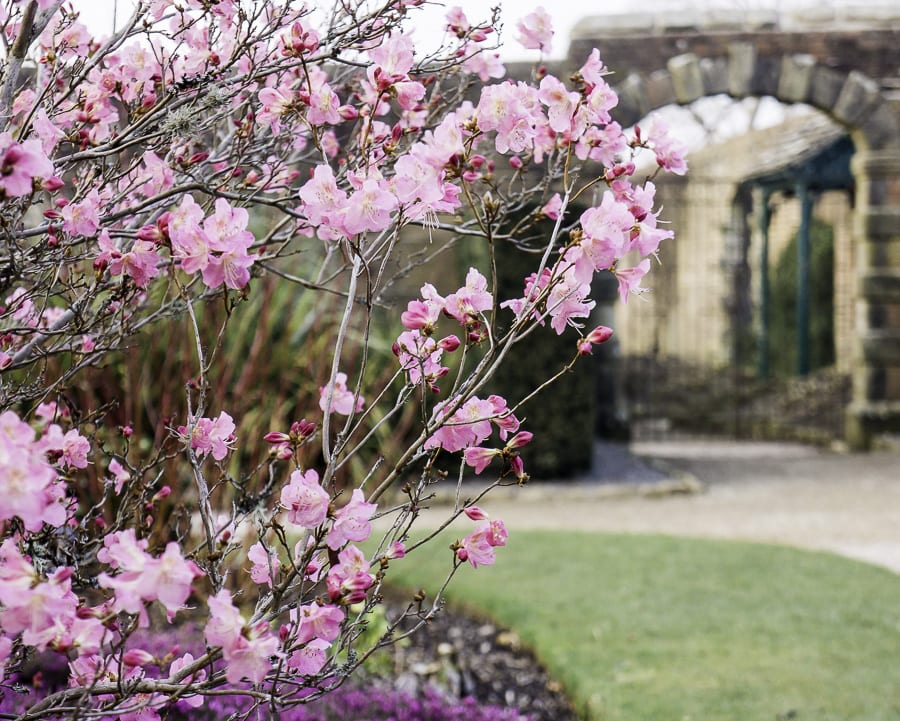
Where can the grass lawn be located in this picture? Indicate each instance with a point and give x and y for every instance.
(647, 628)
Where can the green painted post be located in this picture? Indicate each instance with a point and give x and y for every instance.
(803, 254)
(764, 217)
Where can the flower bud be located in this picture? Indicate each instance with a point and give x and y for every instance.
(522, 438)
(449, 344)
(276, 437)
(600, 334)
(397, 550)
(137, 657)
(475, 513)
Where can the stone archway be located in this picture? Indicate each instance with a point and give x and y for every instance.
(848, 75)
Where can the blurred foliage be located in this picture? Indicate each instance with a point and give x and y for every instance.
(783, 302)
(562, 416)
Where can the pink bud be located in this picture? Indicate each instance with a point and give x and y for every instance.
(5, 360)
(518, 467)
(397, 550)
(475, 513)
(516, 162)
(600, 334)
(303, 428)
(449, 344)
(137, 657)
(522, 438)
(276, 437)
(52, 183)
(584, 347)
(150, 232)
(161, 493)
(283, 452)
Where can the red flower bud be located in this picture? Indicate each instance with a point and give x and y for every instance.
(600, 334)
(449, 344)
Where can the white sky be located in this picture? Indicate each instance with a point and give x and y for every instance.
(722, 116)
(98, 14)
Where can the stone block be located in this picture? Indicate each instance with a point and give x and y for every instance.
(687, 78)
(659, 90)
(881, 255)
(882, 316)
(765, 77)
(633, 103)
(868, 419)
(715, 75)
(825, 88)
(881, 128)
(741, 67)
(884, 164)
(795, 80)
(858, 96)
(881, 348)
(880, 224)
(880, 286)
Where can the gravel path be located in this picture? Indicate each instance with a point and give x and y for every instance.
(769, 492)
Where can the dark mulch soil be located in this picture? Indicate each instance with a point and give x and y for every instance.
(471, 657)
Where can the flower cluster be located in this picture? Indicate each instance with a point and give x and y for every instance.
(199, 156)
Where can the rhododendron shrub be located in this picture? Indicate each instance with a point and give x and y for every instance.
(175, 164)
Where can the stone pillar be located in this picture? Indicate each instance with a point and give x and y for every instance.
(876, 370)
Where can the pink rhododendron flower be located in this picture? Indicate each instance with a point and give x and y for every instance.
(192, 700)
(535, 31)
(310, 659)
(120, 475)
(139, 263)
(342, 398)
(350, 578)
(83, 217)
(484, 63)
(351, 523)
(265, 564)
(21, 164)
(471, 300)
(630, 278)
(247, 650)
(315, 621)
(75, 449)
(670, 152)
(305, 500)
(552, 207)
(479, 458)
(478, 547)
(211, 436)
